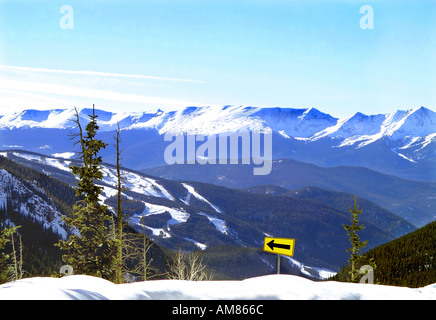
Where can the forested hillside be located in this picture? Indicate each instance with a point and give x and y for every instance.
(192, 215)
(61, 193)
(411, 200)
(40, 257)
(406, 261)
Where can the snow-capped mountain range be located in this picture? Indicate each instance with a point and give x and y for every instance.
(308, 124)
(401, 143)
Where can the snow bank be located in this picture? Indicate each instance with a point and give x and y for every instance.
(270, 287)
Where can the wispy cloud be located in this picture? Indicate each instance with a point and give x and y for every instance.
(39, 88)
(95, 73)
(24, 91)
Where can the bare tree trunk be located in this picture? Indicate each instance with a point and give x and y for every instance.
(119, 211)
(135, 257)
(146, 246)
(80, 137)
(188, 267)
(14, 255)
(17, 265)
(20, 265)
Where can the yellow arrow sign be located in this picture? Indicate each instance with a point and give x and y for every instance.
(282, 246)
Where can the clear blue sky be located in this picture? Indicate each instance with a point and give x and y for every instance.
(250, 52)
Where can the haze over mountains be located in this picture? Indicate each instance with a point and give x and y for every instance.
(412, 200)
(192, 215)
(402, 143)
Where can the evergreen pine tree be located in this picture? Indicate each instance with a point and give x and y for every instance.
(356, 244)
(90, 250)
(5, 238)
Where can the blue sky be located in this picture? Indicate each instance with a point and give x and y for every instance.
(166, 54)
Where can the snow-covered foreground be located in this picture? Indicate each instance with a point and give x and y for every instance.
(270, 287)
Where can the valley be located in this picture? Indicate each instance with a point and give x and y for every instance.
(200, 216)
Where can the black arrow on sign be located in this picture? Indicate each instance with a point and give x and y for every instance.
(273, 245)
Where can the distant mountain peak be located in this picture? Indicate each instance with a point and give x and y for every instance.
(407, 134)
(294, 122)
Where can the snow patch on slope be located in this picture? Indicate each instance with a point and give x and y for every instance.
(191, 191)
(219, 224)
(30, 204)
(177, 216)
(138, 183)
(314, 272)
(133, 181)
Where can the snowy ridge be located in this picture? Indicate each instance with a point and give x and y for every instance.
(141, 185)
(30, 204)
(132, 181)
(135, 183)
(310, 123)
(169, 214)
(270, 287)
